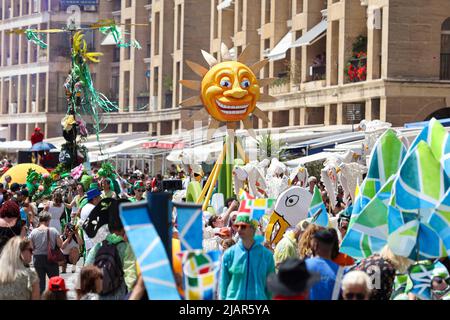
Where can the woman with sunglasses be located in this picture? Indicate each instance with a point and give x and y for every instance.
(17, 280)
(139, 191)
(356, 286)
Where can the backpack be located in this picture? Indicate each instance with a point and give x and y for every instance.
(108, 260)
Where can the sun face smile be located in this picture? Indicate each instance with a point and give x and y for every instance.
(232, 109)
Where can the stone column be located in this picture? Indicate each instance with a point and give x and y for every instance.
(383, 108)
(339, 113)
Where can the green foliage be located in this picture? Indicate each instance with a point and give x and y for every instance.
(314, 168)
(360, 44)
(168, 83)
(268, 148)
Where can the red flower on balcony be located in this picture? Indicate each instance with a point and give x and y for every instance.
(356, 68)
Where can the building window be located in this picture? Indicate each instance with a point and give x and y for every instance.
(299, 8)
(157, 28)
(179, 21)
(267, 11)
(445, 50)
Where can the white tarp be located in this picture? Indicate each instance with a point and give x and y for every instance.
(279, 51)
(197, 154)
(308, 159)
(311, 35)
(13, 146)
(224, 4)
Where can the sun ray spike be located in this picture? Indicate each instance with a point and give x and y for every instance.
(199, 115)
(258, 66)
(212, 128)
(192, 102)
(266, 81)
(198, 69)
(225, 52)
(191, 84)
(261, 115)
(209, 58)
(248, 124)
(245, 55)
(266, 98)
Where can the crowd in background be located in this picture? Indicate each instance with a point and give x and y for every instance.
(305, 264)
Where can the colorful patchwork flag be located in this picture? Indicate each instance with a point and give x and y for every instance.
(244, 195)
(317, 209)
(435, 135)
(257, 208)
(201, 273)
(190, 227)
(421, 182)
(150, 252)
(368, 234)
(421, 275)
(386, 157)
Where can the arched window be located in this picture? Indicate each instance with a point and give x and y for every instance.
(445, 50)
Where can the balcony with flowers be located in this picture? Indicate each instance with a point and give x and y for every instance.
(356, 68)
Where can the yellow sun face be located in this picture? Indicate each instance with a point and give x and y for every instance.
(229, 91)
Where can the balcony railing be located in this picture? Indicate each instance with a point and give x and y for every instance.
(318, 72)
(445, 66)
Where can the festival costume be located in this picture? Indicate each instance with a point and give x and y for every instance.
(286, 248)
(244, 272)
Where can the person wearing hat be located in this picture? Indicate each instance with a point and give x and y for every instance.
(292, 282)
(93, 198)
(56, 289)
(322, 246)
(117, 238)
(440, 282)
(37, 136)
(139, 191)
(246, 265)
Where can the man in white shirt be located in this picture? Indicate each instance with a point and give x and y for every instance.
(93, 197)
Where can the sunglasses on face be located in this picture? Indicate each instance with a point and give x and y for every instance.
(438, 280)
(140, 190)
(355, 296)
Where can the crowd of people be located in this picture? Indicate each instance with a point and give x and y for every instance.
(39, 240)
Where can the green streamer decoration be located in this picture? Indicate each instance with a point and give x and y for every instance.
(34, 38)
(118, 37)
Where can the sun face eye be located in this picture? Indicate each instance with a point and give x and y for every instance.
(292, 200)
(245, 83)
(225, 82)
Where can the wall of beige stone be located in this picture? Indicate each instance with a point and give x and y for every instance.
(415, 38)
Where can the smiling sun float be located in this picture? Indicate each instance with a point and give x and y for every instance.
(229, 90)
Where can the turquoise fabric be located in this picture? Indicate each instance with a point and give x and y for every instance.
(244, 272)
